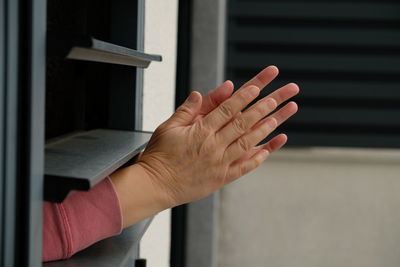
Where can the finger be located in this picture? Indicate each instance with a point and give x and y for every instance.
(245, 143)
(281, 95)
(285, 112)
(273, 145)
(239, 126)
(282, 114)
(234, 118)
(185, 114)
(239, 169)
(215, 97)
(284, 93)
(243, 123)
(249, 154)
(263, 78)
(230, 107)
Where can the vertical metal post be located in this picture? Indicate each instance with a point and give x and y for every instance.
(207, 71)
(139, 71)
(2, 122)
(36, 117)
(9, 129)
(139, 77)
(178, 214)
(22, 97)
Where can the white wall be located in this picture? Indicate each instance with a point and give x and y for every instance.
(313, 208)
(158, 104)
(161, 18)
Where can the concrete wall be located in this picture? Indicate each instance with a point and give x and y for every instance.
(313, 208)
(207, 72)
(158, 104)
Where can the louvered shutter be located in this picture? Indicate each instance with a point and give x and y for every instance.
(343, 54)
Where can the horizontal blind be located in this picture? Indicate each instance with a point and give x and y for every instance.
(345, 56)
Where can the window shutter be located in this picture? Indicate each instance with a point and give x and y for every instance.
(93, 91)
(343, 54)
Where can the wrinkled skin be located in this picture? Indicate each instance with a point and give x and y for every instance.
(210, 141)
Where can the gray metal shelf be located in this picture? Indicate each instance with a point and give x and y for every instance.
(79, 161)
(90, 49)
(118, 251)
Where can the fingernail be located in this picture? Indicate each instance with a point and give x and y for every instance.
(193, 98)
(272, 122)
(271, 103)
(253, 90)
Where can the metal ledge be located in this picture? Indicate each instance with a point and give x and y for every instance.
(80, 161)
(90, 49)
(118, 251)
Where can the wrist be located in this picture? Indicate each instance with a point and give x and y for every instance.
(161, 191)
(138, 195)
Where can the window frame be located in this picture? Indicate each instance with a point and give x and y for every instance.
(22, 117)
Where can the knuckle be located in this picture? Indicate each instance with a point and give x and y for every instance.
(239, 125)
(243, 144)
(260, 110)
(201, 135)
(226, 111)
(278, 117)
(184, 109)
(257, 162)
(244, 168)
(245, 98)
(271, 124)
(202, 129)
(263, 132)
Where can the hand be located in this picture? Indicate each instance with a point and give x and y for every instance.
(210, 101)
(207, 143)
(203, 147)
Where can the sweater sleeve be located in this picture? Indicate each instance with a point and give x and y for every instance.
(81, 220)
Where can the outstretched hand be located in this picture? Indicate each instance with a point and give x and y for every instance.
(208, 142)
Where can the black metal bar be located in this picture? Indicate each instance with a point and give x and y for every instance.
(3, 67)
(320, 10)
(178, 216)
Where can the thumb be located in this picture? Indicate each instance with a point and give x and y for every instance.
(186, 113)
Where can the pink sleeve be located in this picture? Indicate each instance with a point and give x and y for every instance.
(81, 220)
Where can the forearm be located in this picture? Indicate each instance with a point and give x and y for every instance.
(81, 220)
(87, 217)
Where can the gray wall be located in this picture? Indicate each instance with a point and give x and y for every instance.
(207, 72)
(313, 208)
